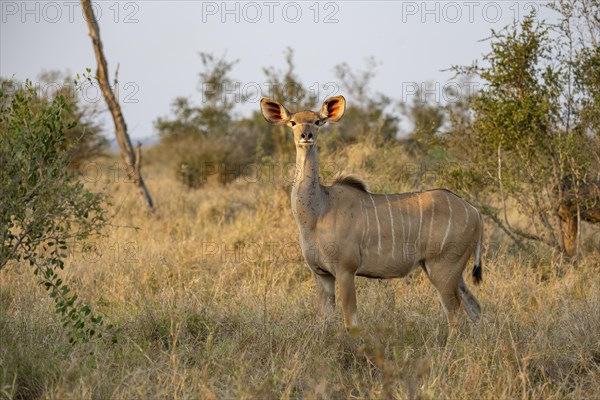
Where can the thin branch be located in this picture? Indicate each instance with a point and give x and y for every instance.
(127, 151)
(502, 197)
(499, 223)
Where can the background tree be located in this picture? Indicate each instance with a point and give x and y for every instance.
(522, 140)
(132, 157)
(43, 208)
(578, 193)
(219, 94)
(85, 140)
(367, 113)
(426, 116)
(206, 141)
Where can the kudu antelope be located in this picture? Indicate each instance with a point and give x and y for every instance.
(346, 231)
(588, 198)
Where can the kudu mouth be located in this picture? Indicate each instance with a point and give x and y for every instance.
(305, 142)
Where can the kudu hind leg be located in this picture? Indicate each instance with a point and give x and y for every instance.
(447, 286)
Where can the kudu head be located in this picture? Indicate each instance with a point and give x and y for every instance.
(305, 124)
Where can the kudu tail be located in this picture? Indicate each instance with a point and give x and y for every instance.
(477, 269)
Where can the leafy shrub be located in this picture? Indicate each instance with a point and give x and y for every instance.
(83, 137)
(527, 133)
(42, 206)
(221, 159)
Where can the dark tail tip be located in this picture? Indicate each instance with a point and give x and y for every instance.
(477, 274)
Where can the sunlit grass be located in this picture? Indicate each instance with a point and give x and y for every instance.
(211, 299)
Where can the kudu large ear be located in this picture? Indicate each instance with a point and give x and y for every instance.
(274, 112)
(333, 108)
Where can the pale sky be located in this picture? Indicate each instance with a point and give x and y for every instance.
(157, 43)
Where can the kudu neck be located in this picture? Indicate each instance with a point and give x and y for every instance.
(307, 166)
(307, 193)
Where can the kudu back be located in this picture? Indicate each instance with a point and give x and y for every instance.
(346, 231)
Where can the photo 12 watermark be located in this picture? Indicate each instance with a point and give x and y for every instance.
(325, 254)
(274, 252)
(265, 172)
(454, 12)
(253, 12)
(86, 91)
(253, 92)
(439, 92)
(53, 12)
(104, 251)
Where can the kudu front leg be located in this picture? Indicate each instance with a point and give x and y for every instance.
(325, 285)
(348, 296)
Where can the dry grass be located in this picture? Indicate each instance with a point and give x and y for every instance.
(212, 300)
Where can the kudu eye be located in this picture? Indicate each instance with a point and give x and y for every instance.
(292, 123)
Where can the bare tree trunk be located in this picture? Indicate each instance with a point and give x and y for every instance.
(132, 158)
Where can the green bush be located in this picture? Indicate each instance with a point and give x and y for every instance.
(527, 132)
(221, 159)
(83, 137)
(43, 207)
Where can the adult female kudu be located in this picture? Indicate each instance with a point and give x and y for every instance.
(582, 199)
(346, 231)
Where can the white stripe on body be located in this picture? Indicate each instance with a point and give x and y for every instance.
(378, 225)
(432, 218)
(392, 228)
(449, 222)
